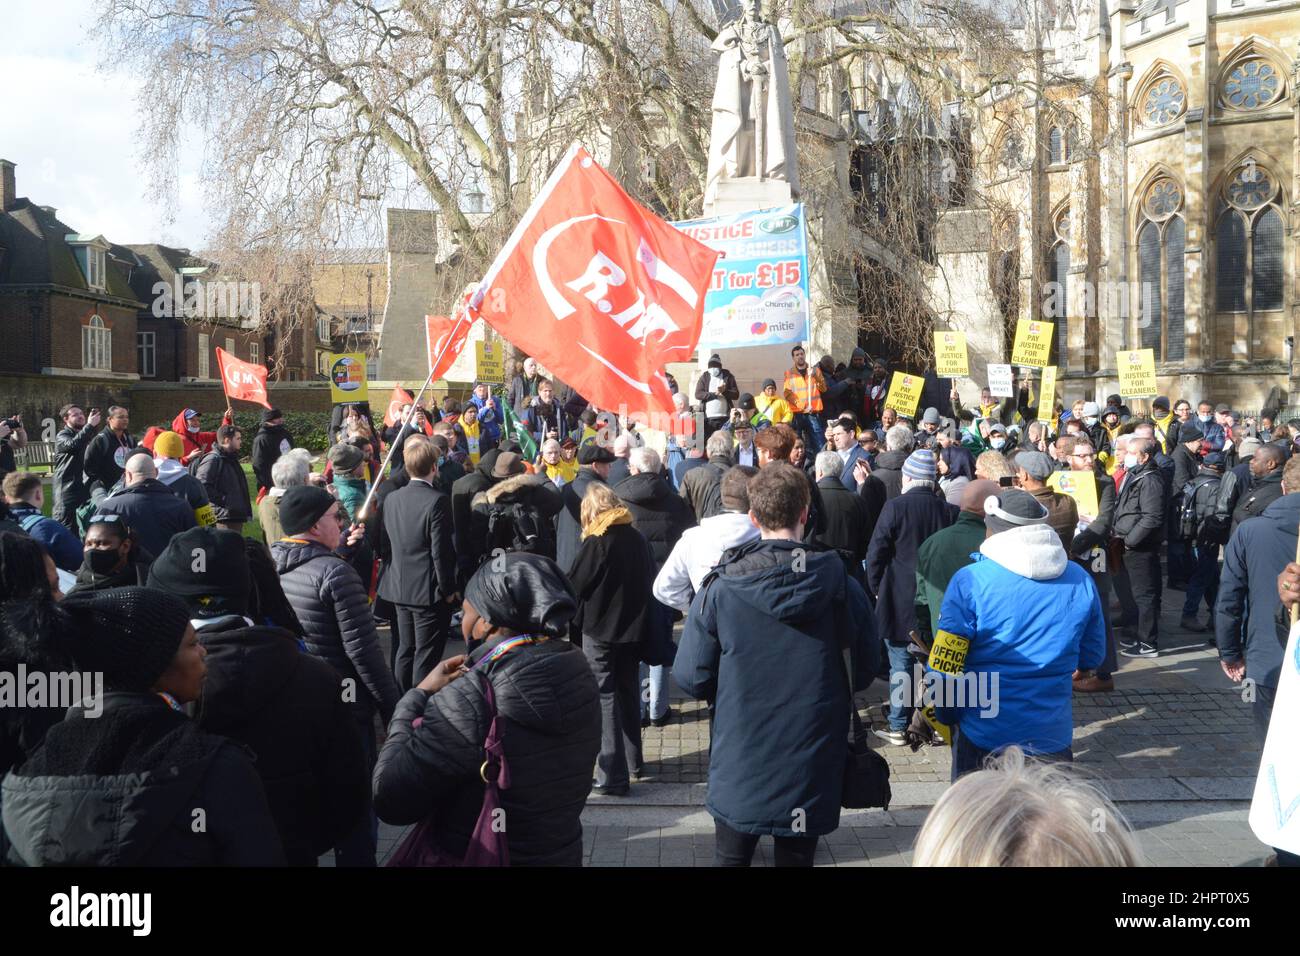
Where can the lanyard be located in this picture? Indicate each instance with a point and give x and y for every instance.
(506, 646)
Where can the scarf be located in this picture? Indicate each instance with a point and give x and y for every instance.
(604, 522)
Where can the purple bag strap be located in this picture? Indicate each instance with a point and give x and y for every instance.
(488, 845)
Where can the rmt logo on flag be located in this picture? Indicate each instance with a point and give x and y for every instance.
(598, 289)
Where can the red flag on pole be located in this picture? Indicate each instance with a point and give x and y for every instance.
(445, 338)
(396, 400)
(242, 380)
(598, 289)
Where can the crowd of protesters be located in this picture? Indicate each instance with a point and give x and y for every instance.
(808, 539)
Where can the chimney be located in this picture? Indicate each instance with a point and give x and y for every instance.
(8, 187)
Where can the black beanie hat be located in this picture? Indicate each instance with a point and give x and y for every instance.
(214, 584)
(130, 635)
(302, 506)
(530, 595)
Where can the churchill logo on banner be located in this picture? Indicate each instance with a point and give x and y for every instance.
(598, 289)
(242, 380)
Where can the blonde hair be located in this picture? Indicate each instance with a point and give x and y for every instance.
(993, 465)
(1025, 813)
(598, 499)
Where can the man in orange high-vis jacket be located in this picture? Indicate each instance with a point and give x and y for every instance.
(804, 387)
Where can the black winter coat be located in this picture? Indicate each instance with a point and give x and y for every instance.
(331, 604)
(848, 525)
(700, 487)
(268, 446)
(534, 494)
(287, 707)
(101, 466)
(550, 705)
(905, 522)
(568, 523)
(612, 577)
(125, 789)
(1140, 508)
(152, 512)
(470, 532)
(135, 573)
(69, 459)
(1256, 498)
(223, 479)
(889, 469)
(659, 512)
(1186, 465)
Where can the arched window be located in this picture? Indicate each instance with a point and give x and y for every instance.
(1161, 100)
(1161, 242)
(96, 345)
(1248, 235)
(1056, 304)
(1055, 146)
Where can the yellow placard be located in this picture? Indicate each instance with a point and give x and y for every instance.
(1079, 485)
(905, 393)
(489, 362)
(348, 377)
(1047, 395)
(948, 656)
(1137, 373)
(950, 357)
(1033, 343)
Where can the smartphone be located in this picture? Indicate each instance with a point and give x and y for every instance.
(1007, 481)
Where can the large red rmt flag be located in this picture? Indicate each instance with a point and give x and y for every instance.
(242, 380)
(598, 289)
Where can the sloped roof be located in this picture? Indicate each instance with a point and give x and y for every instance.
(37, 253)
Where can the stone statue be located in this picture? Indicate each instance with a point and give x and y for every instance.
(753, 118)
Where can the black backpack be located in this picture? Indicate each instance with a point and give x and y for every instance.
(514, 527)
(1195, 523)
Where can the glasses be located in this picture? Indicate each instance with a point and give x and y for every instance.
(1083, 455)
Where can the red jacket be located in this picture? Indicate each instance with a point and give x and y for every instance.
(195, 442)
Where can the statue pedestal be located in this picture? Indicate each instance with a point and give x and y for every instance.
(745, 193)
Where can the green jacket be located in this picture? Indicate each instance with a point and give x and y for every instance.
(941, 556)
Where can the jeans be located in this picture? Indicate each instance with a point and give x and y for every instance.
(615, 668)
(1204, 580)
(1147, 585)
(809, 426)
(421, 639)
(968, 757)
(737, 849)
(654, 692)
(901, 667)
(359, 847)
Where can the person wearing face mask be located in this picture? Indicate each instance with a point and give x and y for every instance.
(1210, 428)
(195, 443)
(998, 440)
(1140, 518)
(1093, 428)
(114, 558)
(1166, 425)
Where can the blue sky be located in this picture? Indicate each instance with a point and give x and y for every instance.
(71, 129)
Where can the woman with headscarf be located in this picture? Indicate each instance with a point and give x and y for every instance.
(533, 694)
(956, 471)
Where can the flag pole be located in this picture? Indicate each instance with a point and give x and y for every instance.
(364, 513)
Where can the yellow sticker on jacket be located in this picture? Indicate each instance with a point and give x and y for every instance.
(948, 653)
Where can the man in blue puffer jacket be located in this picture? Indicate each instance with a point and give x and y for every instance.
(763, 642)
(1031, 617)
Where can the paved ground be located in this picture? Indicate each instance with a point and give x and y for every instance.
(1174, 745)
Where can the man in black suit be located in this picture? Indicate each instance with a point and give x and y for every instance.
(420, 577)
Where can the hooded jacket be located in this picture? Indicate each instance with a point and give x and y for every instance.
(269, 444)
(429, 766)
(536, 494)
(696, 553)
(764, 642)
(196, 443)
(184, 486)
(135, 573)
(331, 603)
(287, 707)
(1032, 617)
(151, 511)
(1254, 557)
(61, 543)
(660, 513)
(124, 789)
(905, 522)
(568, 521)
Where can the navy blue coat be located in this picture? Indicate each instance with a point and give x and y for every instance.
(761, 641)
(1256, 554)
(905, 522)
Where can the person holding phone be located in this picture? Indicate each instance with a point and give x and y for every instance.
(12, 437)
(70, 490)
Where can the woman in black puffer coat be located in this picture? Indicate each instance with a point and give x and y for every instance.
(544, 690)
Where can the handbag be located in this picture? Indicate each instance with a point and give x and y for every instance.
(487, 844)
(866, 773)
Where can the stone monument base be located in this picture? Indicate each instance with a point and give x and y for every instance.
(746, 193)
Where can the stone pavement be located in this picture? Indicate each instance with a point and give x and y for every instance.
(1174, 745)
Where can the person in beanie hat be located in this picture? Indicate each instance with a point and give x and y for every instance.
(716, 391)
(1166, 430)
(543, 687)
(931, 422)
(285, 706)
(348, 463)
(168, 449)
(122, 779)
(1031, 618)
(904, 524)
(272, 440)
(771, 406)
(331, 602)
